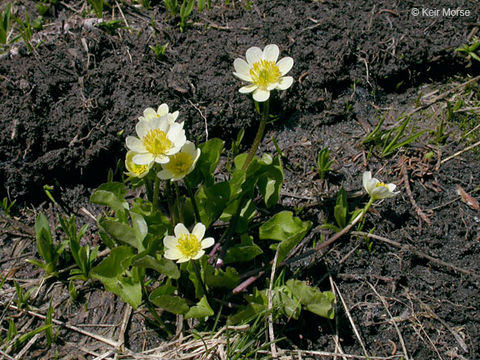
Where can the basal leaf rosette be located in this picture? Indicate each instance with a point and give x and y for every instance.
(181, 164)
(134, 170)
(376, 189)
(264, 73)
(185, 246)
(150, 113)
(157, 140)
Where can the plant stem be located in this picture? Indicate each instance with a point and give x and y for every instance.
(258, 137)
(179, 203)
(194, 203)
(171, 208)
(199, 277)
(156, 191)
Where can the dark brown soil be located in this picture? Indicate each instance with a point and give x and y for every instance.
(67, 107)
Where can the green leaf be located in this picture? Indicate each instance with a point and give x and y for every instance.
(320, 303)
(140, 229)
(119, 231)
(247, 213)
(111, 194)
(162, 266)
(286, 228)
(270, 183)
(200, 310)
(341, 209)
(284, 300)
(170, 303)
(44, 239)
(218, 278)
(323, 305)
(110, 272)
(211, 201)
(245, 251)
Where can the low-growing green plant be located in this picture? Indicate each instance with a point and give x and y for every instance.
(470, 50)
(5, 23)
(111, 26)
(159, 50)
(97, 6)
(47, 249)
(185, 11)
(7, 205)
(324, 163)
(84, 256)
(22, 296)
(171, 6)
(389, 141)
(25, 29)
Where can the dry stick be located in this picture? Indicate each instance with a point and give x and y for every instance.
(271, 334)
(357, 334)
(6, 356)
(417, 253)
(104, 356)
(332, 354)
(406, 182)
(402, 342)
(338, 347)
(70, 327)
(203, 117)
(22, 352)
(468, 148)
(121, 335)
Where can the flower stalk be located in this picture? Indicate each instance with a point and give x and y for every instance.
(259, 135)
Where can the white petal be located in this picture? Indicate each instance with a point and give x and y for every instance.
(285, 83)
(180, 229)
(170, 241)
(189, 148)
(253, 55)
(161, 159)
(142, 128)
(143, 159)
(165, 174)
(173, 116)
(284, 65)
(173, 254)
(243, 76)
(247, 89)
(149, 113)
(272, 86)
(199, 255)
(135, 144)
(261, 95)
(367, 179)
(207, 242)
(183, 259)
(199, 231)
(162, 110)
(271, 53)
(241, 66)
(391, 187)
(176, 135)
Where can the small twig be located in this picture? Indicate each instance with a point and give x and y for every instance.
(406, 182)
(30, 343)
(203, 117)
(417, 253)
(123, 328)
(271, 333)
(347, 312)
(385, 305)
(458, 153)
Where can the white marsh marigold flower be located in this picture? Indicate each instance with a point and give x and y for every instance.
(158, 138)
(133, 169)
(185, 246)
(263, 72)
(377, 189)
(181, 164)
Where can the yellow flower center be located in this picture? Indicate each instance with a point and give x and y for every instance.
(381, 184)
(189, 245)
(179, 163)
(264, 73)
(156, 142)
(138, 169)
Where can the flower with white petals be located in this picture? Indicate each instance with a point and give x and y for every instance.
(150, 113)
(133, 169)
(157, 140)
(377, 189)
(263, 71)
(181, 164)
(185, 246)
